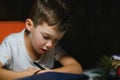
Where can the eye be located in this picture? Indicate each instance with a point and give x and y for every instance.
(46, 37)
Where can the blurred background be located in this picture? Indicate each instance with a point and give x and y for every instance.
(94, 32)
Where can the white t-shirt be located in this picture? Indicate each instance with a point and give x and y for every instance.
(14, 56)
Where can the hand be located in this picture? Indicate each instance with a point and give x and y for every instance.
(30, 71)
(43, 71)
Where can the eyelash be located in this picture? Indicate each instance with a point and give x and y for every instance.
(45, 37)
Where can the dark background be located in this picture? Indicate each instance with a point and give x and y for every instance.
(94, 32)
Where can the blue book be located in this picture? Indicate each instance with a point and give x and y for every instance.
(56, 76)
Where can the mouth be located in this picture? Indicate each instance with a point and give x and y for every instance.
(43, 50)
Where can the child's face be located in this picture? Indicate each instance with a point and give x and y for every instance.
(44, 37)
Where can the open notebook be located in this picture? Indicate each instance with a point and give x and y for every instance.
(56, 76)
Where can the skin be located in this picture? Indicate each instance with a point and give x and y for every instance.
(38, 42)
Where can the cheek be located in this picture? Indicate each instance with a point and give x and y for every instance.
(37, 40)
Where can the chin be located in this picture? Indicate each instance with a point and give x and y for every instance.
(41, 52)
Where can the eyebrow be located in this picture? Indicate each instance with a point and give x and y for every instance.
(50, 36)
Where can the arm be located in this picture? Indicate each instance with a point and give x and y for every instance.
(70, 65)
(11, 75)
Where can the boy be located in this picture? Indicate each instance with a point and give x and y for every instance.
(38, 42)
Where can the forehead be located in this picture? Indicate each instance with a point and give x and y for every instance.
(50, 30)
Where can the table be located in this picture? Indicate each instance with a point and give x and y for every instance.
(56, 76)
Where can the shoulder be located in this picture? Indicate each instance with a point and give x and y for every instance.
(13, 37)
(58, 47)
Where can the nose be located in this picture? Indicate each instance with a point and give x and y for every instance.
(49, 44)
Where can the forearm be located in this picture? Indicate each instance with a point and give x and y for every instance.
(11, 75)
(71, 68)
(70, 65)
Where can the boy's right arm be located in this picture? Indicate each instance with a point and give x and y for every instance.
(12, 75)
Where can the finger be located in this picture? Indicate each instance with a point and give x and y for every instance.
(36, 72)
(47, 69)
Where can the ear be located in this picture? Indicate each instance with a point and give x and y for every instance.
(29, 24)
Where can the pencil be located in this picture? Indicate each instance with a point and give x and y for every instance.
(39, 66)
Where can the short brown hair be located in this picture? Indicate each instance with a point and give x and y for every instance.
(53, 12)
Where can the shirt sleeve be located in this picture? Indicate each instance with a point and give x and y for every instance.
(59, 52)
(5, 52)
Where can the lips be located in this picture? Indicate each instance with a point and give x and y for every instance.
(43, 50)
